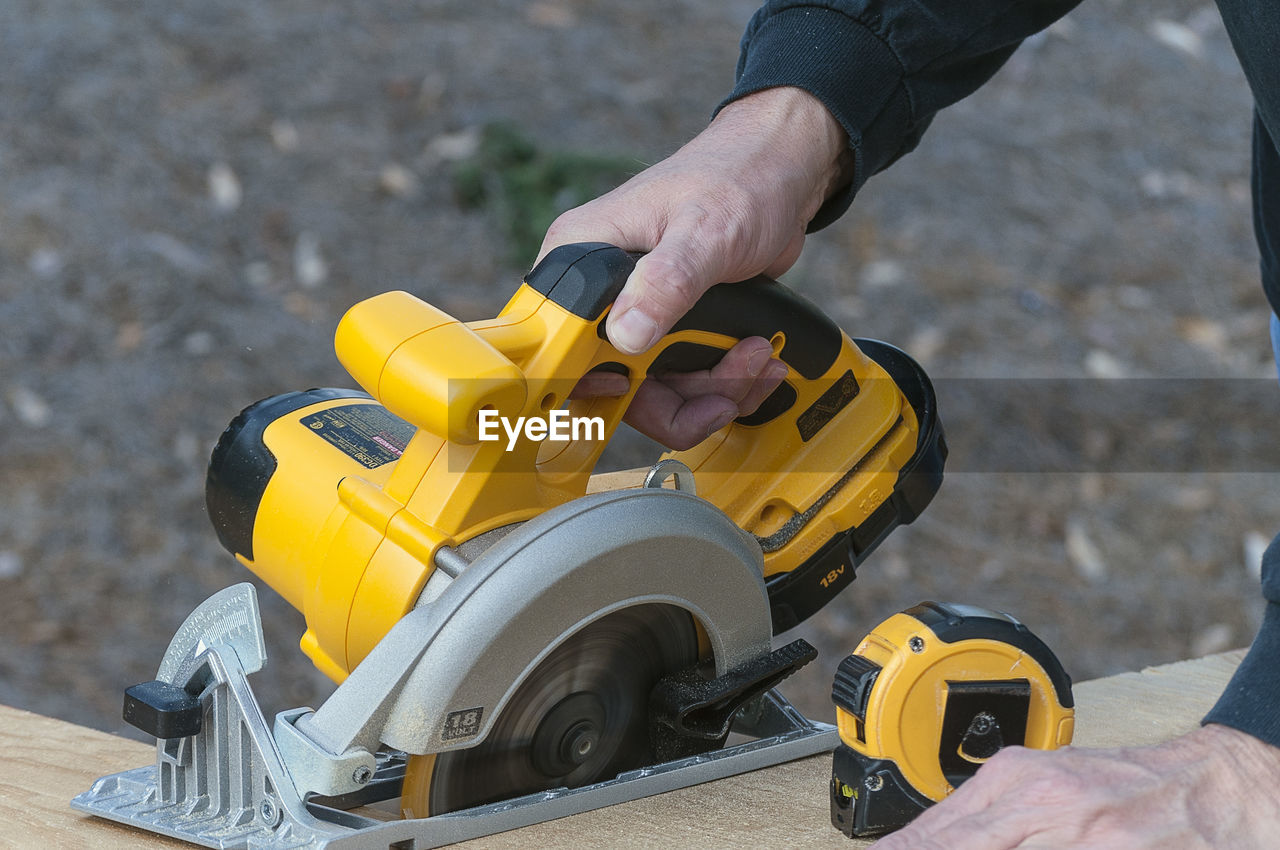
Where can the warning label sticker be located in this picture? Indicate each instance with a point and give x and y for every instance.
(366, 433)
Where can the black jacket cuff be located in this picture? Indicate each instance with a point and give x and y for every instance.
(820, 50)
(1251, 702)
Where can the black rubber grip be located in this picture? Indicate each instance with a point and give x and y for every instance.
(162, 710)
(763, 307)
(585, 278)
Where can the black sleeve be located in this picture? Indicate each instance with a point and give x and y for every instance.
(1251, 702)
(884, 67)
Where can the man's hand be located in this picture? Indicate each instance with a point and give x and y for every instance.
(732, 203)
(1212, 788)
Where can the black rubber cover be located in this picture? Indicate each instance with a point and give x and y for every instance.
(951, 626)
(882, 798)
(796, 595)
(162, 710)
(241, 465)
(763, 307)
(584, 278)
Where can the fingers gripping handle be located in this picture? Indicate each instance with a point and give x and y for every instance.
(586, 278)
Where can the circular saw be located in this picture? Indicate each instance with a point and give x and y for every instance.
(507, 645)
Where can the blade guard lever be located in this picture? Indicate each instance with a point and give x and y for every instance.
(690, 714)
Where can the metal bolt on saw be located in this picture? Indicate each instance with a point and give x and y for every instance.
(508, 647)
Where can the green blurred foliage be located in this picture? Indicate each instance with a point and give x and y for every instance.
(526, 187)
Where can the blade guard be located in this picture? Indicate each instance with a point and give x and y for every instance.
(464, 654)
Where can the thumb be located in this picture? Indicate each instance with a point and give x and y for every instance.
(665, 283)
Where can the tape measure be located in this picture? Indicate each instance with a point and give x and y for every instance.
(927, 698)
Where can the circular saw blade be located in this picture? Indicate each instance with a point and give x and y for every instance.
(581, 716)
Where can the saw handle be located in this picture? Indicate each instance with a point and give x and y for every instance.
(577, 285)
(440, 374)
(585, 278)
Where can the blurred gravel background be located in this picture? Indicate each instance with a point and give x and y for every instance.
(192, 193)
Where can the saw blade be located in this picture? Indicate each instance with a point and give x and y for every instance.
(581, 716)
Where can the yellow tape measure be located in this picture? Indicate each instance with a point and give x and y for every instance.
(927, 698)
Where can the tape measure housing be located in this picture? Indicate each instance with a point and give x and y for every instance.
(927, 698)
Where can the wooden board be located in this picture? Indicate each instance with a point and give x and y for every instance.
(45, 762)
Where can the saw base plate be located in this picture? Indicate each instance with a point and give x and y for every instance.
(231, 785)
(779, 733)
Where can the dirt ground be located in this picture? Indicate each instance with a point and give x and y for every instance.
(192, 193)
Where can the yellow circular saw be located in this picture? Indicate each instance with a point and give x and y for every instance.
(499, 633)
